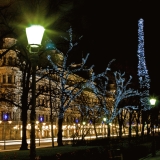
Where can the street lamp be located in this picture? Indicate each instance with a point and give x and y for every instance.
(34, 36)
(153, 102)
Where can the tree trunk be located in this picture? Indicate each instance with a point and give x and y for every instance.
(130, 126)
(24, 101)
(109, 130)
(142, 133)
(94, 125)
(136, 129)
(143, 121)
(148, 130)
(24, 145)
(120, 130)
(59, 135)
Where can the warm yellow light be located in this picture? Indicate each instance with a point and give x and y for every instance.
(54, 126)
(34, 35)
(9, 122)
(37, 122)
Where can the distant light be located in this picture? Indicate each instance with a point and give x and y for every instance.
(104, 119)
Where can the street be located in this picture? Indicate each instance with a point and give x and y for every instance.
(9, 145)
(15, 144)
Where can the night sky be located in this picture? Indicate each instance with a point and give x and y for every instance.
(110, 31)
(113, 34)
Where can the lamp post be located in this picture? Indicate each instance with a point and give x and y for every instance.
(34, 36)
(153, 102)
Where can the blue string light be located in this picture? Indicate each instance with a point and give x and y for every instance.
(144, 79)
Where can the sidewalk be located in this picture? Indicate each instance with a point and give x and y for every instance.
(149, 157)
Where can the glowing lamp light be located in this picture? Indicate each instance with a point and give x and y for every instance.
(152, 101)
(34, 35)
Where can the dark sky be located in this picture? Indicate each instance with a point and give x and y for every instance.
(113, 33)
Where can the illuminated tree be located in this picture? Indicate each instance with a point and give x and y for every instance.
(68, 89)
(110, 100)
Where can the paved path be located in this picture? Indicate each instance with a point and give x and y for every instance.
(150, 157)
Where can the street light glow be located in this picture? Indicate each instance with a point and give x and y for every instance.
(34, 35)
(152, 101)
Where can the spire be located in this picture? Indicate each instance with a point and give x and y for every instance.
(144, 79)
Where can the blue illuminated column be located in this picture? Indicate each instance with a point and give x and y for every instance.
(144, 79)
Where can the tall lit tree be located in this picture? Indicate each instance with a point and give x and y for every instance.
(109, 100)
(68, 91)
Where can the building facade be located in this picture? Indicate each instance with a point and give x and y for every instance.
(10, 109)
